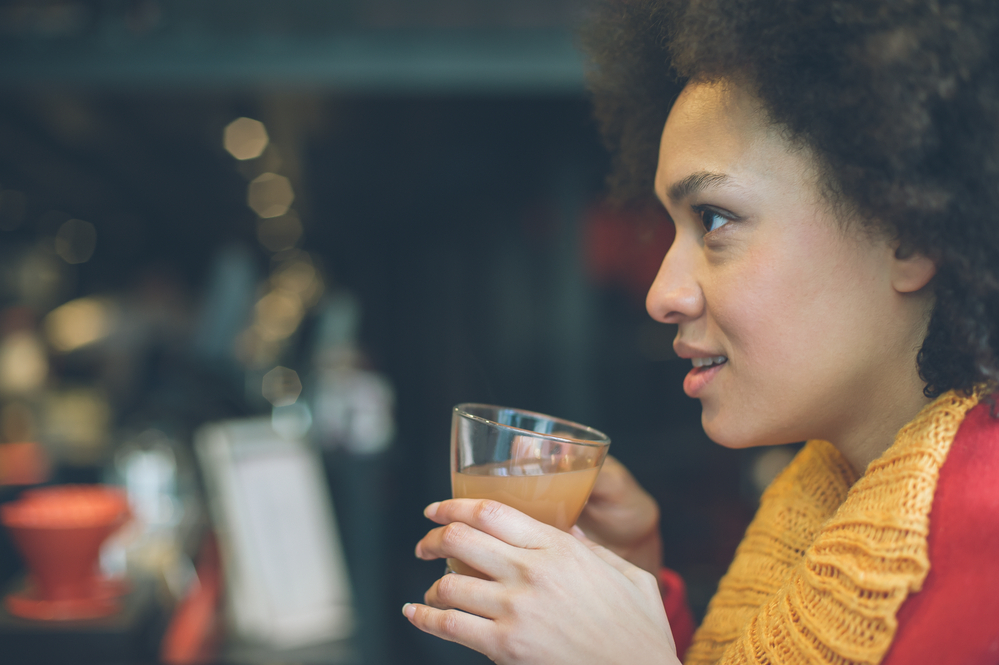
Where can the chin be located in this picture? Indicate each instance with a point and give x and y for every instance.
(715, 428)
(733, 433)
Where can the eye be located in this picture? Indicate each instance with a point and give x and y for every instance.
(711, 219)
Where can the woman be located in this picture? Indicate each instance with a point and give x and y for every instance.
(832, 169)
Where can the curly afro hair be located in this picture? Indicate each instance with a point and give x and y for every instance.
(898, 99)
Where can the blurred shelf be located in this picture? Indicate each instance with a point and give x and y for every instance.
(506, 61)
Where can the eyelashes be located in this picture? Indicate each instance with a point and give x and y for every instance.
(711, 218)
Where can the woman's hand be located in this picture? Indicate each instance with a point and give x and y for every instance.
(553, 597)
(623, 517)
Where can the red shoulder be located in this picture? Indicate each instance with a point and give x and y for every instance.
(681, 620)
(955, 617)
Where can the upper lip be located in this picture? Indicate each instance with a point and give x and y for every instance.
(684, 350)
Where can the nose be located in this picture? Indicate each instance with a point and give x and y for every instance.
(675, 296)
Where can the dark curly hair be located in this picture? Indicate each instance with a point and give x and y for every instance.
(898, 99)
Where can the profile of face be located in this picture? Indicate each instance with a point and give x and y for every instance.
(799, 324)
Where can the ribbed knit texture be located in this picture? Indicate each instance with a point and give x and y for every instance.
(828, 559)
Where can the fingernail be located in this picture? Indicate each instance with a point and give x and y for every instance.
(419, 555)
(576, 531)
(408, 610)
(431, 510)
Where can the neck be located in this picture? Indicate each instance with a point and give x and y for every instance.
(889, 411)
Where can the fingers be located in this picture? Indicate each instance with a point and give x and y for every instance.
(480, 597)
(470, 546)
(486, 535)
(452, 625)
(496, 519)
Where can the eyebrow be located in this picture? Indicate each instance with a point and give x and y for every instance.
(694, 183)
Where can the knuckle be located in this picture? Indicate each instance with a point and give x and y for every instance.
(446, 587)
(487, 511)
(534, 576)
(449, 625)
(454, 534)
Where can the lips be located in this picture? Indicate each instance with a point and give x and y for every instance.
(705, 369)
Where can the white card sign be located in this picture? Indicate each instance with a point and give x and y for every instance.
(286, 579)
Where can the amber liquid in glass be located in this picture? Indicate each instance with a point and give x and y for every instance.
(553, 492)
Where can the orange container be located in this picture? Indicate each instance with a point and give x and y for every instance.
(59, 532)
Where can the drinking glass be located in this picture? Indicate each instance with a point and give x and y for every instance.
(540, 465)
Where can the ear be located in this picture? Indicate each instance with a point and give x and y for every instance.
(910, 270)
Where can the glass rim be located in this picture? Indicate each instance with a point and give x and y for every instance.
(602, 440)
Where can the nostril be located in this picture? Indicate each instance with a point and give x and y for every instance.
(675, 305)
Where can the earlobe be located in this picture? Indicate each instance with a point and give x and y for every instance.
(911, 270)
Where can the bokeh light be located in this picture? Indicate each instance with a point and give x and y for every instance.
(281, 386)
(75, 241)
(270, 195)
(269, 161)
(297, 275)
(24, 365)
(278, 315)
(75, 423)
(78, 323)
(279, 234)
(245, 138)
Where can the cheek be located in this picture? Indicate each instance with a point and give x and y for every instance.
(802, 292)
(796, 318)
(762, 307)
(765, 319)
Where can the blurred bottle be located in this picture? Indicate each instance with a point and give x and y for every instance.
(354, 427)
(158, 478)
(352, 405)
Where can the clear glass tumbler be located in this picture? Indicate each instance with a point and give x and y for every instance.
(540, 465)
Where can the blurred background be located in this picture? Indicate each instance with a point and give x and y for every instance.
(341, 217)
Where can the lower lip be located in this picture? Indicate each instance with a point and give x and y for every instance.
(698, 378)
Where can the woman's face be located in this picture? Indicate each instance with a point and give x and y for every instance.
(790, 317)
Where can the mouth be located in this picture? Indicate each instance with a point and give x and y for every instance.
(709, 361)
(701, 375)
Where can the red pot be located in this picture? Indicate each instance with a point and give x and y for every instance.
(59, 531)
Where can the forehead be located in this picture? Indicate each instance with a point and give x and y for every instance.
(718, 128)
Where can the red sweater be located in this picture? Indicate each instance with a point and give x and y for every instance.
(954, 619)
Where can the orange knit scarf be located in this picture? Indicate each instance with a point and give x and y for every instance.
(829, 559)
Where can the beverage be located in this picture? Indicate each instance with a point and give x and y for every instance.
(544, 467)
(551, 491)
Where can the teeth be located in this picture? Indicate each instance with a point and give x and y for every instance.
(707, 362)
